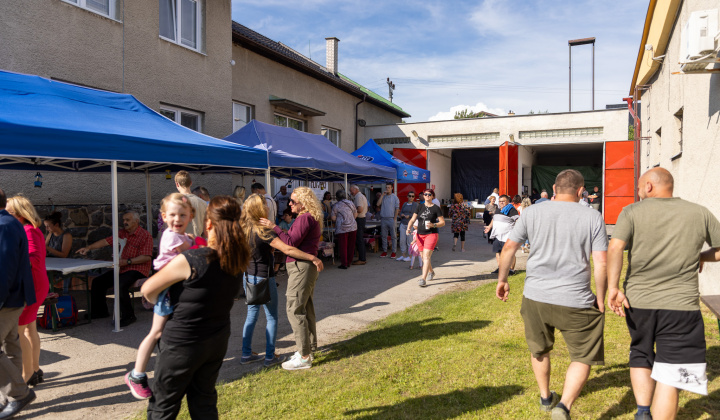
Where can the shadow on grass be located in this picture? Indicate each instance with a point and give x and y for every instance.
(396, 335)
(444, 406)
(615, 376)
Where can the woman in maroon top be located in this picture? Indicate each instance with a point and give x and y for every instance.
(23, 210)
(304, 234)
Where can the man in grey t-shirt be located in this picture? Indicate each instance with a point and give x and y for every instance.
(389, 207)
(557, 291)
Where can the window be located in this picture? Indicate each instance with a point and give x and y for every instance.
(283, 121)
(565, 132)
(102, 7)
(332, 135)
(242, 114)
(466, 137)
(181, 22)
(183, 117)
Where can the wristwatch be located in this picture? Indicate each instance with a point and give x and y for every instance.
(129, 261)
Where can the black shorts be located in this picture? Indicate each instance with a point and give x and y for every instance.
(672, 343)
(498, 246)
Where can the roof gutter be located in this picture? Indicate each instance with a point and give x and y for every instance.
(356, 119)
(641, 52)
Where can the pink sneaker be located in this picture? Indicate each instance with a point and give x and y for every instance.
(138, 387)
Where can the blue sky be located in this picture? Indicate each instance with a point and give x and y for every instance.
(494, 55)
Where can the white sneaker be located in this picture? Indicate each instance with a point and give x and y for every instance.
(400, 258)
(430, 275)
(406, 259)
(297, 362)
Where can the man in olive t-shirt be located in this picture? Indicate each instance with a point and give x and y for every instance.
(664, 236)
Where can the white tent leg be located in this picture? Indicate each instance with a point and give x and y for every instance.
(267, 181)
(116, 241)
(147, 201)
(346, 186)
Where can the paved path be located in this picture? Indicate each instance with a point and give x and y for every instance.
(84, 365)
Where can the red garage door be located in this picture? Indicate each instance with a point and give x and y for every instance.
(619, 178)
(508, 173)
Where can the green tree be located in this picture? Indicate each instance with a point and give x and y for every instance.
(631, 132)
(466, 113)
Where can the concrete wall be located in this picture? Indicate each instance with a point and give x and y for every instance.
(257, 77)
(439, 164)
(526, 160)
(614, 123)
(698, 95)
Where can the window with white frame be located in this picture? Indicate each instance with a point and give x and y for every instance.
(102, 7)
(189, 119)
(242, 114)
(331, 134)
(284, 121)
(181, 22)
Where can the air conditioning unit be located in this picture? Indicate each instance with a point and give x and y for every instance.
(699, 36)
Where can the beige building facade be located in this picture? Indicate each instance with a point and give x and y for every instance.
(561, 139)
(679, 93)
(195, 66)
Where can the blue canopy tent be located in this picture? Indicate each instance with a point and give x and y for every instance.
(371, 152)
(45, 124)
(298, 155)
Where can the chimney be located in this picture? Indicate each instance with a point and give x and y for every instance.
(331, 55)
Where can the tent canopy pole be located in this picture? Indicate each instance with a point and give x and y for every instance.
(115, 247)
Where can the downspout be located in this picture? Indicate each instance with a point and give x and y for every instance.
(356, 120)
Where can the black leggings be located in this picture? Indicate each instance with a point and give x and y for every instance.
(461, 234)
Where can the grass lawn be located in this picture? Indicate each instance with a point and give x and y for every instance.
(458, 355)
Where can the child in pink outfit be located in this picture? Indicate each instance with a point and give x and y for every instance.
(414, 251)
(177, 213)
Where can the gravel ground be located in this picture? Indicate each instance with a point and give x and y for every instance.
(84, 365)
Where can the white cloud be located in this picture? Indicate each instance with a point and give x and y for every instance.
(449, 115)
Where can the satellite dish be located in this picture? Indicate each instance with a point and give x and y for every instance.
(362, 123)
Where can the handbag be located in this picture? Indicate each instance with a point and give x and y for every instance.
(257, 294)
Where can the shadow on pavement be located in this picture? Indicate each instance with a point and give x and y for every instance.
(443, 406)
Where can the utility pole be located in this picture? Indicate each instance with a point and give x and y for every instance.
(391, 88)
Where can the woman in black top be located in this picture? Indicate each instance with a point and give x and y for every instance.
(262, 241)
(430, 218)
(203, 284)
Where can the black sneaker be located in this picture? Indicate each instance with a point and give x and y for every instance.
(554, 399)
(497, 271)
(511, 272)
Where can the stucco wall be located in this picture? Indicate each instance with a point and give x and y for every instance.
(54, 39)
(439, 164)
(696, 171)
(256, 77)
(614, 123)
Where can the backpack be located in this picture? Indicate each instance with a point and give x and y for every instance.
(67, 313)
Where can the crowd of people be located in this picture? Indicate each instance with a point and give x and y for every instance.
(239, 243)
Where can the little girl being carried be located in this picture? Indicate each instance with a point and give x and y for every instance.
(177, 213)
(414, 250)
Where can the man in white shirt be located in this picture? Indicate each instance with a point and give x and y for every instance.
(361, 204)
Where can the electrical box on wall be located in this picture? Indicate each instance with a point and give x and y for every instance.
(699, 36)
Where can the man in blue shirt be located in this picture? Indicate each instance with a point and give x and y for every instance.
(16, 291)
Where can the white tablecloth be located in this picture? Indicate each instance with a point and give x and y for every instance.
(74, 265)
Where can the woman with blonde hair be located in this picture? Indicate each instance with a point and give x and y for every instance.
(305, 235)
(262, 240)
(239, 194)
(22, 209)
(459, 213)
(203, 284)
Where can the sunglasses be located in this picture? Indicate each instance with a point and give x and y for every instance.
(427, 194)
(411, 195)
(291, 201)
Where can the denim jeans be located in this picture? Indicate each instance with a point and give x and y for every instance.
(271, 314)
(405, 239)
